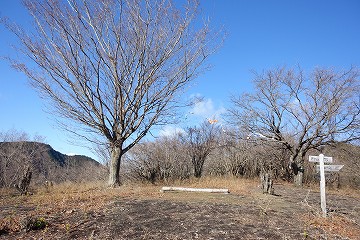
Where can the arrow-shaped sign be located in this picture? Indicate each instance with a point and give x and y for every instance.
(330, 168)
(317, 159)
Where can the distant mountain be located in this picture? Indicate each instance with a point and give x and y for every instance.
(46, 164)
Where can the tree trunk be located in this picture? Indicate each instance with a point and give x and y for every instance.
(25, 181)
(198, 166)
(298, 174)
(115, 161)
(298, 179)
(298, 170)
(267, 183)
(198, 171)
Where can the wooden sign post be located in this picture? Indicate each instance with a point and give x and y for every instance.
(322, 168)
(322, 185)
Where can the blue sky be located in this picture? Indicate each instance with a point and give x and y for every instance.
(261, 35)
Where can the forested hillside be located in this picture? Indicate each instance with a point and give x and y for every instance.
(45, 163)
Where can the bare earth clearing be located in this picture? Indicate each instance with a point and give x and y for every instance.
(143, 212)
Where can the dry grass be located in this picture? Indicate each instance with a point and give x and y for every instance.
(64, 199)
(343, 191)
(85, 196)
(95, 195)
(234, 184)
(68, 198)
(335, 225)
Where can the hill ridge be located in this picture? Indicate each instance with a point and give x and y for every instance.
(46, 163)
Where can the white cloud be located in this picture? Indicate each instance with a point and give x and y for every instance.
(169, 130)
(203, 108)
(206, 109)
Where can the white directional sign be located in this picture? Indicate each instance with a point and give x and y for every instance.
(322, 168)
(330, 168)
(317, 159)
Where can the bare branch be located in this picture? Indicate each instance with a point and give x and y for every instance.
(301, 112)
(115, 67)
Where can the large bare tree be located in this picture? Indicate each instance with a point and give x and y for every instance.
(299, 111)
(114, 66)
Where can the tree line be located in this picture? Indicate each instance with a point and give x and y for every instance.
(179, 157)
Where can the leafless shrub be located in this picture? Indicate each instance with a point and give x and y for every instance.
(24, 183)
(246, 157)
(199, 143)
(161, 160)
(16, 160)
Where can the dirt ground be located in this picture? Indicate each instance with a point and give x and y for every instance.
(293, 213)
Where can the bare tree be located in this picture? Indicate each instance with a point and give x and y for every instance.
(116, 67)
(199, 142)
(301, 112)
(17, 155)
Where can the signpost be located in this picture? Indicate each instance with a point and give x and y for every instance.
(317, 159)
(322, 168)
(330, 168)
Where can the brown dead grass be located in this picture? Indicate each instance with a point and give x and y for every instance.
(68, 198)
(86, 196)
(343, 191)
(336, 225)
(234, 184)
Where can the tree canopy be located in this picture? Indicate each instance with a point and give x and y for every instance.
(301, 111)
(114, 67)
